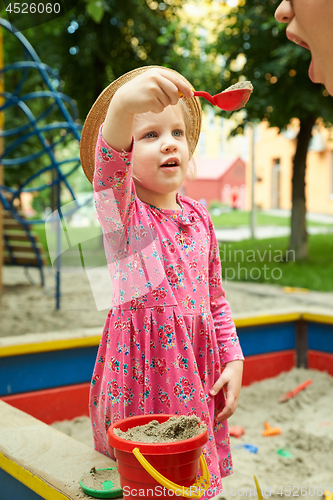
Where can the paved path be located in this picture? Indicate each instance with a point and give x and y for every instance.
(261, 232)
(271, 231)
(253, 299)
(310, 216)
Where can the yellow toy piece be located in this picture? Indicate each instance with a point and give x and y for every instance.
(258, 489)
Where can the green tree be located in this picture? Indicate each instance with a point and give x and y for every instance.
(93, 44)
(278, 70)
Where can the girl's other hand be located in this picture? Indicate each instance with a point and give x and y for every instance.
(231, 381)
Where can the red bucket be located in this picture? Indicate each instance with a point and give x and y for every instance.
(174, 464)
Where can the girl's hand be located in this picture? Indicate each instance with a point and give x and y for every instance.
(153, 90)
(231, 381)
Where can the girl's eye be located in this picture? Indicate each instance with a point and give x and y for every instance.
(150, 135)
(178, 133)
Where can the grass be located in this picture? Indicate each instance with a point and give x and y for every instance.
(236, 218)
(257, 261)
(260, 261)
(90, 250)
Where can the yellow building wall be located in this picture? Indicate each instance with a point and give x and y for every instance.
(319, 177)
(271, 145)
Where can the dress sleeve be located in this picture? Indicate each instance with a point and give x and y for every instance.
(225, 329)
(114, 190)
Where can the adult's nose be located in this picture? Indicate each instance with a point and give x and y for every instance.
(285, 12)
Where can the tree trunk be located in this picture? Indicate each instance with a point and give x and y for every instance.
(299, 237)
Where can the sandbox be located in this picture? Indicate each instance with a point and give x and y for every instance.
(48, 377)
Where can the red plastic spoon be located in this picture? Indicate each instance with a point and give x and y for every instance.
(231, 99)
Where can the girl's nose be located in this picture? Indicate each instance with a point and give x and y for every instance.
(169, 145)
(284, 13)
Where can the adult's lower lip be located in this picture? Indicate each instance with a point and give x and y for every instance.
(297, 40)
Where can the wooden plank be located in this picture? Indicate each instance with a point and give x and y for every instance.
(24, 260)
(31, 343)
(39, 488)
(26, 248)
(2, 122)
(322, 361)
(13, 489)
(44, 459)
(46, 370)
(267, 319)
(19, 236)
(269, 365)
(15, 224)
(301, 332)
(1, 217)
(51, 405)
(318, 318)
(268, 338)
(8, 214)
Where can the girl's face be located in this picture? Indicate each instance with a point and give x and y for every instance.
(310, 24)
(161, 155)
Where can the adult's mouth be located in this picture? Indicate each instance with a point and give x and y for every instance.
(294, 38)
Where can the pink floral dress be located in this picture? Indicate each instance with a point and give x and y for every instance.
(169, 330)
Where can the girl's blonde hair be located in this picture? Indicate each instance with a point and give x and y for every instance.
(188, 120)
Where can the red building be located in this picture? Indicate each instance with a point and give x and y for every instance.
(218, 179)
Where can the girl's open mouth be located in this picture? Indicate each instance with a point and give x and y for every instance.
(171, 164)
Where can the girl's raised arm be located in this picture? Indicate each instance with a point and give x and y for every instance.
(153, 90)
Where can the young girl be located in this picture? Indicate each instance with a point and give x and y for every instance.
(169, 344)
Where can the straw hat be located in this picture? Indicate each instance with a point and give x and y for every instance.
(96, 117)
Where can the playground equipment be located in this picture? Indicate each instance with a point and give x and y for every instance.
(23, 248)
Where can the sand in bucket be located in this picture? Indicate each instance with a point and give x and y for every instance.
(176, 460)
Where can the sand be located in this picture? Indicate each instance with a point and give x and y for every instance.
(306, 423)
(96, 478)
(240, 85)
(26, 308)
(174, 429)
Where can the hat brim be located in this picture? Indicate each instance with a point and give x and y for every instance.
(97, 113)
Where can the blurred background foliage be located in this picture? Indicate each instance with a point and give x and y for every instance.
(213, 43)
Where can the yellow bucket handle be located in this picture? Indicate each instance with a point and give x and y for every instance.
(202, 483)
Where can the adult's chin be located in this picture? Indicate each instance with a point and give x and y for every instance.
(321, 78)
(329, 88)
